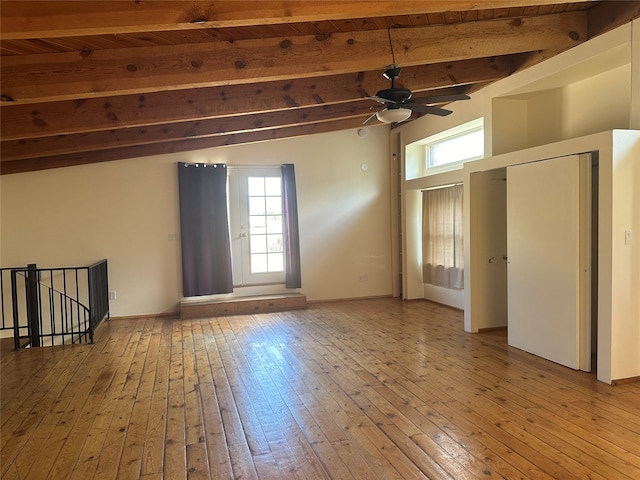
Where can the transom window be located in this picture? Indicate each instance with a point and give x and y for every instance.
(450, 149)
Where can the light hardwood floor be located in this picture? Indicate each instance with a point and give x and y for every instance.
(371, 389)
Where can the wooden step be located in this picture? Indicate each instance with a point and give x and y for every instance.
(190, 308)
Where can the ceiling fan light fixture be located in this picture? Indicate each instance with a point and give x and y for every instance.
(393, 115)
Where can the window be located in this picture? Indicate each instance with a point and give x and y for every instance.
(442, 241)
(451, 148)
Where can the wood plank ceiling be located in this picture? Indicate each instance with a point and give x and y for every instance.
(93, 81)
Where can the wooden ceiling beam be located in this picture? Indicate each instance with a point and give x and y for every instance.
(22, 121)
(47, 19)
(68, 160)
(83, 142)
(608, 15)
(224, 126)
(60, 76)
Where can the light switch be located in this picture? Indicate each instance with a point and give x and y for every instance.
(628, 237)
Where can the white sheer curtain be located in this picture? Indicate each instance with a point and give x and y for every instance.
(442, 247)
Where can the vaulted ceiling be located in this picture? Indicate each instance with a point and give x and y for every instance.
(93, 81)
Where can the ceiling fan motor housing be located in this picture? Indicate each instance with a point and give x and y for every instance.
(395, 95)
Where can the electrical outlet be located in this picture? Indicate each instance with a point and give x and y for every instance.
(112, 295)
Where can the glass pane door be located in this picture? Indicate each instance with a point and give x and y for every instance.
(255, 207)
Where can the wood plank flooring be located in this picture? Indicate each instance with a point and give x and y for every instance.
(369, 389)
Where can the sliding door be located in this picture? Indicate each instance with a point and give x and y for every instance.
(548, 213)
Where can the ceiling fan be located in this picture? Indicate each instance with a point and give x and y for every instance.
(399, 103)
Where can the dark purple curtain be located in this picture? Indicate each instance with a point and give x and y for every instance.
(293, 277)
(204, 227)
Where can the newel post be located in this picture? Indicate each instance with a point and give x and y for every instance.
(33, 313)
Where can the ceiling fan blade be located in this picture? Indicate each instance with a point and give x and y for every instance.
(379, 99)
(441, 112)
(441, 98)
(370, 119)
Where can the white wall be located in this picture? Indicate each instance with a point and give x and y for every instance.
(127, 211)
(124, 211)
(618, 263)
(547, 103)
(598, 103)
(509, 132)
(623, 193)
(634, 114)
(545, 115)
(412, 235)
(542, 113)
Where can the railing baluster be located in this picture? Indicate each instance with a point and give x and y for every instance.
(78, 297)
(33, 304)
(4, 324)
(77, 322)
(62, 307)
(52, 313)
(68, 317)
(64, 290)
(14, 305)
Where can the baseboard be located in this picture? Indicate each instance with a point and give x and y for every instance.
(492, 329)
(168, 315)
(331, 300)
(622, 381)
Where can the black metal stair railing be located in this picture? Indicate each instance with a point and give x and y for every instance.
(53, 306)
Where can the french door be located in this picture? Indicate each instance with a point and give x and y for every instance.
(256, 226)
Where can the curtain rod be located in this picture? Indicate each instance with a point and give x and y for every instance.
(228, 165)
(273, 165)
(198, 164)
(441, 186)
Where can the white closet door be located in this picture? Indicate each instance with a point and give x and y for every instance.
(546, 227)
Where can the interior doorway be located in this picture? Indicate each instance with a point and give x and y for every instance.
(488, 216)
